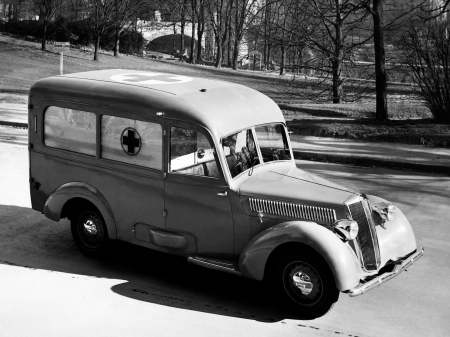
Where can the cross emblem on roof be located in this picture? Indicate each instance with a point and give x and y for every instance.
(131, 141)
(136, 78)
(149, 78)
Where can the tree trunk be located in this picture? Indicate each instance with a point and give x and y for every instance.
(219, 55)
(337, 61)
(116, 42)
(337, 81)
(192, 53)
(200, 30)
(380, 62)
(97, 45)
(182, 42)
(173, 39)
(229, 47)
(199, 45)
(183, 24)
(265, 36)
(283, 60)
(10, 12)
(44, 34)
(235, 54)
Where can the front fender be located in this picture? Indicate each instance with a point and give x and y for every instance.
(339, 256)
(57, 200)
(398, 239)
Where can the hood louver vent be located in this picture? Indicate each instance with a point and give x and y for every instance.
(291, 210)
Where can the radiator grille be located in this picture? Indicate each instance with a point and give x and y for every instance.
(367, 237)
(291, 210)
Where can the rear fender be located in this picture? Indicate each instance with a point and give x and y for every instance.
(340, 257)
(57, 200)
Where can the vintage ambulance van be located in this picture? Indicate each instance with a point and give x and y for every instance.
(204, 169)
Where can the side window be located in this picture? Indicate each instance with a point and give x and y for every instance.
(131, 141)
(240, 152)
(191, 153)
(273, 142)
(70, 130)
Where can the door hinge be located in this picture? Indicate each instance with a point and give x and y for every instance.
(164, 132)
(164, 214)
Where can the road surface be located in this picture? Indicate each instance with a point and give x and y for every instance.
(48, 288)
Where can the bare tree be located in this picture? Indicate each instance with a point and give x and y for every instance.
(125, 12)
(376, 10)
(244, 14)
(76, 9)
(219, 11)
(427, 52)
(101, 17)
(193, 11)
(47, 10)
(183, 9)
(200, 13)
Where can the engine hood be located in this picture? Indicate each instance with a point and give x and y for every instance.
(296, 185)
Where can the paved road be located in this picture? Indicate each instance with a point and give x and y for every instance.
(48, 288)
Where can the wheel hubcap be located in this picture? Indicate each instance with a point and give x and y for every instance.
(302, 283)
(90, 228)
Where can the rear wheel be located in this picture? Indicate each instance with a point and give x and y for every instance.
(306, 284)
(89, 232)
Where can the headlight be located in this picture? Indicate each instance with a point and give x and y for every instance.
(346, 229)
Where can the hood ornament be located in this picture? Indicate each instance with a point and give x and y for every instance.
(383, 212)
(260, 215)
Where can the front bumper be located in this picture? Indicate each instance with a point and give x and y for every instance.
(400, 266)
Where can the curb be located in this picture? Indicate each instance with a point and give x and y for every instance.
(14, 124)
(14, 91)
(368, 162)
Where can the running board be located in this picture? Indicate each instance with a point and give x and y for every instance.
(224, 266)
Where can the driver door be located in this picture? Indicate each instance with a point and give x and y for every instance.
(197, 198)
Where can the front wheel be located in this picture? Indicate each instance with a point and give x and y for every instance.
(307, 284)
(89, 232)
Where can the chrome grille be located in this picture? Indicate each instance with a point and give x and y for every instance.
(367, 240)
(291, 210)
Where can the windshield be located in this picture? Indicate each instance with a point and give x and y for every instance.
(241, 150)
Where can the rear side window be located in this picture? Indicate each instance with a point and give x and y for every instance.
(70, 130)
(132, 141)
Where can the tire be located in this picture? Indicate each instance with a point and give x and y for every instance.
(89, 232)
(306, 284)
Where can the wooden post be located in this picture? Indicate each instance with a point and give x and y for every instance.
(61, 63)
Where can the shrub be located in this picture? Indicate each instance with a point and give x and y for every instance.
(426, 49)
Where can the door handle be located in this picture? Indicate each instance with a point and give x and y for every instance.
(222, 194)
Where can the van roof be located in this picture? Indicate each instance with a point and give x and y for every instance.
(170, 83)
(222, 107)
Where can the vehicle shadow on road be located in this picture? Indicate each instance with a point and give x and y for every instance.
(30, 240)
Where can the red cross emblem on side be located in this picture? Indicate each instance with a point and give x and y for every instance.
(131, 141)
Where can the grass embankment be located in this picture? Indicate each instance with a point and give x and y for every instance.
(23, 63)
(410, 123)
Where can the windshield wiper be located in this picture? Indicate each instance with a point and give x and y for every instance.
(253, 162)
